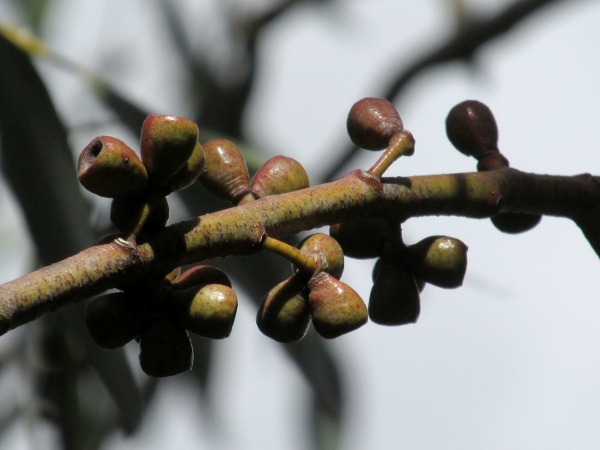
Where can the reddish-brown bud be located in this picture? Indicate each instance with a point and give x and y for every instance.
(279, 175)
(327, 250)
(372, 122)
(225, 173)
(110, 168)
(335, 307)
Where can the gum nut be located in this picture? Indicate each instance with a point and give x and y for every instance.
(115, 319)
(514, 223)
(200, 275)
(439, 260)
(279, 175)
(361, 238)
(335, 307)
(372, 122)
(394, 297)
(122, 210)
(167, 142)
(471, 128)
(225, 173)
(327, 249)
(189, 173)
(165, 347)
(109, 168)
(283, 314)
(207, 311)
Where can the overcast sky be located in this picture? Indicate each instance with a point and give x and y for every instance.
(511, 359)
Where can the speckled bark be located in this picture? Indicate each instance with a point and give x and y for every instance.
(239, 230)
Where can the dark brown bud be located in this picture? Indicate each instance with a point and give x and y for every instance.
(115, 319)
(394, 297)
(361, 238)
(165, 347)
(514, 223)
(472, 129)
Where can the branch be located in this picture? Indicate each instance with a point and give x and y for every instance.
(241, 230)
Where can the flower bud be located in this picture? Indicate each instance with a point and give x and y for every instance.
(115, 319)
(372, 122)
(439, 260)
(283, 314)
(279, 175)
(394, 297)
(109, 168)
(335, 307)
(225, 173)
(167, 142)
(471, 128)
(207, 310)
(326, 248)
(165, 347)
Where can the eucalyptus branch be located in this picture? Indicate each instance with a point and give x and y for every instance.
(241, 230)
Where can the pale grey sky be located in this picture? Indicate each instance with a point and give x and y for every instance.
(510, 360)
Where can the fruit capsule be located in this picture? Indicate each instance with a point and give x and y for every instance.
(165, 347)
(439, 260)
(361, 238)
(284, 314)
(109, 168)
(115, 319)
(207, 311)
(471, 128)
(327, 249)
(279, 175)
(335, 307)
(225, 173)
(372, 122)
(166, 144)
(395, 296)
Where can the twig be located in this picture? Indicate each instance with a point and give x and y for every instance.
(241, 230)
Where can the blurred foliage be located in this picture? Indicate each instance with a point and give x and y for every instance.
(87, 392)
